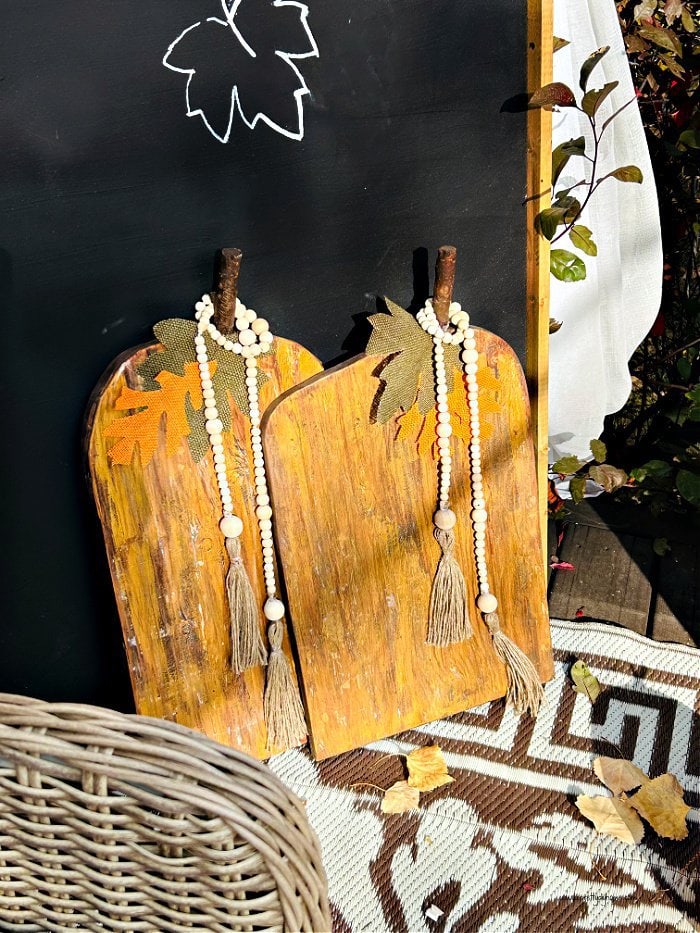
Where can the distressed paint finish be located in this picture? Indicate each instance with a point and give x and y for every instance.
(354, 530)
(168, 561)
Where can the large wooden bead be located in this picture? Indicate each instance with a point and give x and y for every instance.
(445, 519)
(487, 602)
(231, 526)
(273, 609)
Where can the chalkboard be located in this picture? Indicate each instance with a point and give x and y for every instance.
(336, 143)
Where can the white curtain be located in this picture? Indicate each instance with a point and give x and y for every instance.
(605, 316)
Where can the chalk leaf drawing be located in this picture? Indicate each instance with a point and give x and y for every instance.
(244, 62)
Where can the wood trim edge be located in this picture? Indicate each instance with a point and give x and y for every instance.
(539, 176)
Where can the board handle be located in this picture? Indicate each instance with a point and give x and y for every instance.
(445, 267)
(226, 270)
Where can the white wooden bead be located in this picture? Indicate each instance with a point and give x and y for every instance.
(470, 356)
(487, 602)
(216, 438)
(211, 411)
(273, 609)
(231, 526)
(262, 500)
(207, 384)
(265, 524)
(263, 512)
(479, 515)
(444, 430)
(260, 326)
(443, 417)
(246, 338)
(445, 519)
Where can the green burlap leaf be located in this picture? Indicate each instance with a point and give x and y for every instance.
(408, 374)
(176, 335)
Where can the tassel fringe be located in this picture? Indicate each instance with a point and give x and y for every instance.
(525, 692)
(448, 621)
(284, 714)
(247, 646)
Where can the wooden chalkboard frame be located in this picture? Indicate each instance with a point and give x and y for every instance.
(539, 176)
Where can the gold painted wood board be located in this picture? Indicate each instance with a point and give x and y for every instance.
(353, 523)
(168, 561)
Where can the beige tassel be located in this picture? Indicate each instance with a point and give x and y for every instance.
(284, 714)
(247, 646)
(448, 621)
(525, 690)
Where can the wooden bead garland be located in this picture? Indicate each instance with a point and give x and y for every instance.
(284, 714)
(448, 615)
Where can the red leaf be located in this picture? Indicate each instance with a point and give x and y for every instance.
(562, 565)
(553, 95)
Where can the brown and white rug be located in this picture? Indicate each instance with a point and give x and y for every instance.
(504, 848)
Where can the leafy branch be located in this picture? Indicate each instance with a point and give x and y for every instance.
(566, 209)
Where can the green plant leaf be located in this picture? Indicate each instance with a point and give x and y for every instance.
(607, 476)
(653, 469)
(560, 43)
(580, 237)
(577, 488)
(661, 546)
(599, 450)
(593, 99)
(548, 220)
(566, 266)
(690, 139)
(689, 23)
(663, 38)
(568, 464)
(626, 173)
(590, 64)
(694, 394)
(551, 95)
(562, 154)
(684, 367)
(584, 681)
(688, 485)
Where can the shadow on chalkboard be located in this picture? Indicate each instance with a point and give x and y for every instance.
(356, 340)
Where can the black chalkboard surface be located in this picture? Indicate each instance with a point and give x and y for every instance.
(114, 201)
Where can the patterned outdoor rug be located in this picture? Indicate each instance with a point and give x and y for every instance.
(504, 848)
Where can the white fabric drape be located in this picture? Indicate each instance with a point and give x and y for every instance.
(605, 316)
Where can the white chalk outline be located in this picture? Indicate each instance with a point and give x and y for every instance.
(235, 99)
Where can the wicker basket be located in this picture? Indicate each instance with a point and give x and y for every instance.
(114, 822)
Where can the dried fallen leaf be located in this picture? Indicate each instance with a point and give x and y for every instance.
(618, 774)
(584, 681)
(661, 804)
(400, 797)
(613, 817)
(427, 768)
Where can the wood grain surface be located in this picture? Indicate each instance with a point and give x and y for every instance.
(168, 561)
(353, 509)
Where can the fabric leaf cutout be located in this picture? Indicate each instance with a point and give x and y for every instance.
(427, 768)
(661, 804)
(166, 405)
(241, 61)
(400, 797)
(613, 817)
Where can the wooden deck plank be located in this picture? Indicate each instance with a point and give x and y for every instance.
(611, 580)
(677, 610)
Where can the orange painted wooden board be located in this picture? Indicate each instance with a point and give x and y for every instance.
(167, 556)
(353, 522)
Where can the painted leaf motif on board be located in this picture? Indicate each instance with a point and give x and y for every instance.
(241, 61)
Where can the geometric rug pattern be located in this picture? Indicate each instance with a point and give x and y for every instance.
(503, 848)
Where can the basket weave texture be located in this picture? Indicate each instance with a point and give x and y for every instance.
(115, 822)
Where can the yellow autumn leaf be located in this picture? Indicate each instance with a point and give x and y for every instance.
(163, 406)
(618, 774)
(661, 804)
(418, 429)
(399, 798)
(427, 768)
(613, 817)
